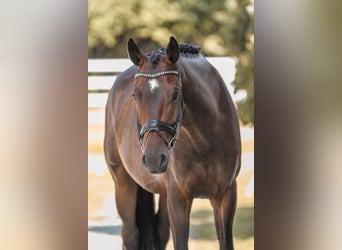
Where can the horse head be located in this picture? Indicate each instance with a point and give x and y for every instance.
(157, 94)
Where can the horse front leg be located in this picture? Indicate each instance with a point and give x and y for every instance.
(179, 212)
(126, 197)
(224, 211)
(163, 223)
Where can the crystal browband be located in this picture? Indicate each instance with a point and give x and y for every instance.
(156, 75)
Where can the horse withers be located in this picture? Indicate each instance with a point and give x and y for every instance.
(171, 129)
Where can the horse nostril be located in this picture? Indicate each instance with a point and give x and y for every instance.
(143, 159)
(163, 159)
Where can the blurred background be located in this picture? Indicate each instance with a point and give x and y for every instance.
(224, 31)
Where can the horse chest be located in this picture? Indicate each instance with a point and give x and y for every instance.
(200, 180)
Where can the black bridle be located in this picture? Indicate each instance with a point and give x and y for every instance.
(159, 126)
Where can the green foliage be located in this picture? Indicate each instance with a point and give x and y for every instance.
(219, 27)
(240, 37)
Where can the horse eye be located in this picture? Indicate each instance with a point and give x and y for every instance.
(174, 96)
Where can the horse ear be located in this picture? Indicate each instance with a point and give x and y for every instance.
(134, 53)
(172, 50)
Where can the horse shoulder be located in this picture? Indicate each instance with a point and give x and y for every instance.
(113, 110)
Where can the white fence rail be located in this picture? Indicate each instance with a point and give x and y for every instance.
(103, 72)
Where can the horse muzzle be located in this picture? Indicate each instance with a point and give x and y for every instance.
(154, 155)
(156, 163)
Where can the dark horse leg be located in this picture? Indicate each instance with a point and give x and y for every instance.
(179, 213)
(163, 223)
(224, 210)
(125, 197)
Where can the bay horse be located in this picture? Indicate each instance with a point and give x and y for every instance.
(171, 129)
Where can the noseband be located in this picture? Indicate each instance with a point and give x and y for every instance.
(159, 126)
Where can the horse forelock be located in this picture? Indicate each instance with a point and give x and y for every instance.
(187, 50)
(155, 56)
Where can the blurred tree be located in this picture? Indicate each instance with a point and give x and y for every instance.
(240, 39)
(220, 27)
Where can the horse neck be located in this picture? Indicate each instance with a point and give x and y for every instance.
(200, 101)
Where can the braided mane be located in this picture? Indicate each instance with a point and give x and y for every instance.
(189, 49)
(185, 50)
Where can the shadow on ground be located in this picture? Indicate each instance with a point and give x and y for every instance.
(202, 225)
(112, 230)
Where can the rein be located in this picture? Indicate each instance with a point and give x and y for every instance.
(159, 126)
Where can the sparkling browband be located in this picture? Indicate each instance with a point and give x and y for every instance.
(156, 75)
